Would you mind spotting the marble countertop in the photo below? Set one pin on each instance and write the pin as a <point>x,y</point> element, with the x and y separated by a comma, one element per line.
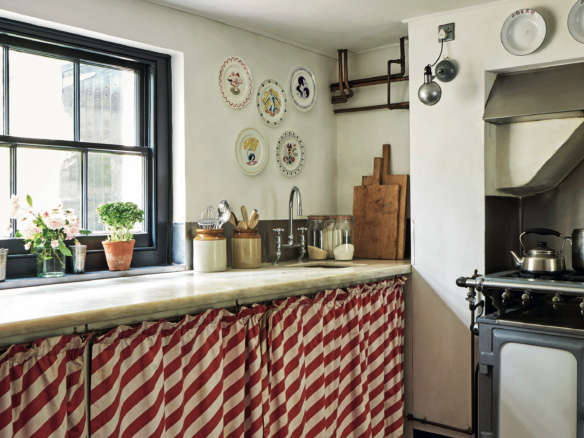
<point>29,313</point>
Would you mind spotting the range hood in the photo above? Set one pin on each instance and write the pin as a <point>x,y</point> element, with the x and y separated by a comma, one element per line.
<point>550,93</point>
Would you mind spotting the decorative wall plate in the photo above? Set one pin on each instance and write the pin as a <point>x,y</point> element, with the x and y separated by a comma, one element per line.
<point>272,102</point>
<point>523,32</point>
<point>251,152</point>
<point>303,88</point>
<point>290,154</point>
<point>235,82</point>
<point>576,21</point>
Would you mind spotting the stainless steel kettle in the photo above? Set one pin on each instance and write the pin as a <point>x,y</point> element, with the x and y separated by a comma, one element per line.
<point>541,259</point>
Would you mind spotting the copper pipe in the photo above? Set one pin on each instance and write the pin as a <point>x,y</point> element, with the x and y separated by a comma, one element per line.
<point>346,71</point>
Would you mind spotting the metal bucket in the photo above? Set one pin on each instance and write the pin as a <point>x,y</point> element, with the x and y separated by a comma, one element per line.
<point>79,253</point>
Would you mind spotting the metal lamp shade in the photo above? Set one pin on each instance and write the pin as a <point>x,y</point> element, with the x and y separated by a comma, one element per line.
<point>429,92</point>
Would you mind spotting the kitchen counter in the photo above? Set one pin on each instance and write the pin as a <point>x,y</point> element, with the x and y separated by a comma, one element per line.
<point>33,312</point>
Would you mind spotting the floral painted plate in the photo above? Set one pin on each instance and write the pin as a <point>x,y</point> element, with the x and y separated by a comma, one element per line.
<point>523,32</point>
<point>290,154</point>
<point>235,82</point>
<point>251,152</point>
<point>576,21</point>
<point>303,88</point>
<point>272,102</point>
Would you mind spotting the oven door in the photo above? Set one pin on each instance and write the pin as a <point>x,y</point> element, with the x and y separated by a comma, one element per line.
<point>530,383</point>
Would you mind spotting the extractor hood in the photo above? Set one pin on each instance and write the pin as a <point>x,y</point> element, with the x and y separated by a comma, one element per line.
<point>550,93</point>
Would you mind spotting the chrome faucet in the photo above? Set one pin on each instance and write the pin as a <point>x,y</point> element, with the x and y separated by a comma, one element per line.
<point>302,230</point>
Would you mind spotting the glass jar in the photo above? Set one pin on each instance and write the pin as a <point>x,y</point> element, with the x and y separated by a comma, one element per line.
<point>343,238</point>
<point>329,229</point>
<point>316,237</point>
<point>50,263</point>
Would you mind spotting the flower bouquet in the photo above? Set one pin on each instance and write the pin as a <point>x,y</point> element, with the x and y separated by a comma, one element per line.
<point>45,233</point>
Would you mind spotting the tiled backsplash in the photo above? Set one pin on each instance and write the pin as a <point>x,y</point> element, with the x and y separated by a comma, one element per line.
<point>183,234</point>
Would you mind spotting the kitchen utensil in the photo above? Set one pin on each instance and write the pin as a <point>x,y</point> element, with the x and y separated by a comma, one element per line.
<point>244,217</point>
<point>523,32</point>
<point>224,213</point>
<point>241,226</point>
<point>402,182</point>
<point>541,259</point>
<point>209,218</point>
<point>254,218</point>
<point>576,21</point>
<point>375,213</point>
<point>578,249</point>
<point>233,219</point>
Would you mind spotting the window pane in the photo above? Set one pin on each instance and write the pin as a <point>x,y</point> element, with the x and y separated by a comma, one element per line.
<point>108,105</point>
<point>4,190</point>
<point>50,177</point>
<point>41,96</point>
<point>113,178</point>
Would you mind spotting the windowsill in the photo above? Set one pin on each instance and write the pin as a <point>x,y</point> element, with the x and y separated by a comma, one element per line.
<point>13,283</point>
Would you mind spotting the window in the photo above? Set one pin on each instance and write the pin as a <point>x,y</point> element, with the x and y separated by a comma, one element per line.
<point>84,122</point>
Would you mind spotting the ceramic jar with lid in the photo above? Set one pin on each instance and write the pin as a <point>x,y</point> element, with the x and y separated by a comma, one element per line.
<point>209,251</point>
<point>246,250</point>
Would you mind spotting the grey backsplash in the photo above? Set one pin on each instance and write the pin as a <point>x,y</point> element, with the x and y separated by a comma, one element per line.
<point>183,235</point>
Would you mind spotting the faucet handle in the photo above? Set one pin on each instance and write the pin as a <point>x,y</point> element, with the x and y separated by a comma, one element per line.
<point>302,229</point>
<point>278,231</point>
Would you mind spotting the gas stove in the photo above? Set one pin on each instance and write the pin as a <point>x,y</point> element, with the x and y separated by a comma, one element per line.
<point>541,299</point>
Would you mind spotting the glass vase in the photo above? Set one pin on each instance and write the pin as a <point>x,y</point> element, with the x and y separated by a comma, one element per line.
<point>50,264</point>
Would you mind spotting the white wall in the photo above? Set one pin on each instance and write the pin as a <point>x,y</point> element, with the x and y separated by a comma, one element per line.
<point>205,128</point>
<point>360,135</point>
<point>448,187</point>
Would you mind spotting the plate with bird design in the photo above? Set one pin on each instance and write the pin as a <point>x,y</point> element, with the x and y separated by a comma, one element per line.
<point>272,102</point>
<point>303,88</point>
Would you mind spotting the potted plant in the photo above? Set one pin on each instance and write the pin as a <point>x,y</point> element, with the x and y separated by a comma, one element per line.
<point>45,233</point>
<point>119,219</point>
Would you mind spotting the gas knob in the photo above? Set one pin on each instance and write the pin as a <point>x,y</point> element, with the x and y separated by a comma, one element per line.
<point>506,296</point>
<point>556,300</point>
<point>526,298</point>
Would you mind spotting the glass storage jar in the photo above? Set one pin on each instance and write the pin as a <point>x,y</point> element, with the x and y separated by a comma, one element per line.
<point>329,230</point>
<point>316,242</point>
<point>343,248</point>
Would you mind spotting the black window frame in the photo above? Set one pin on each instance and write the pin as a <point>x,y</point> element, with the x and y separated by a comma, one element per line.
<point>154,245</point>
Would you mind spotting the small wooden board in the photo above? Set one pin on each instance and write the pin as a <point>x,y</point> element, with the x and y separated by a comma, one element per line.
<point>402,182</point>
<point>375,216</point>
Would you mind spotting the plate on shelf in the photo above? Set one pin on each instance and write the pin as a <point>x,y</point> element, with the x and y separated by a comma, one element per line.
<point>523,32</point>
<point>576,21</point>
<point>272,102</point>
<point>303,88</point>
<point>235,82</point>
<point>290,154</point>
<point>251,152</point>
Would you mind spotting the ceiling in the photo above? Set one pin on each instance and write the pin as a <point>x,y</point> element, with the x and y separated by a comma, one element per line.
<point>321,25</point>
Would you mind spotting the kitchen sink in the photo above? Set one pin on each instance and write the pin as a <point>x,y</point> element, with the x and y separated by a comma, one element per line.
<point>327,265</point>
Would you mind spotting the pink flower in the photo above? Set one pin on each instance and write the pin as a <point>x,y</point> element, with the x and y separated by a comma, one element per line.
<point>15,207</point>
<point>27,246</point>
<point>45,214</point>
<point>56,221</point>
<point>54,244</point>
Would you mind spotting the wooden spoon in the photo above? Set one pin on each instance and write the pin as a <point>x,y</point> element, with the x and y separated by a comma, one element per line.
<point>244,217</point>
<point>233,219</point>
<point>254,218</point>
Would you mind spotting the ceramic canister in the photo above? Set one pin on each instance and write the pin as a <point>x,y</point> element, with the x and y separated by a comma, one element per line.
<point>209,251</point>
<point>246,250</point>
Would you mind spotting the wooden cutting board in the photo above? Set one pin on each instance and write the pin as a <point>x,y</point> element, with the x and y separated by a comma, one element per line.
<point>402,182</point>
<point>375,221</point>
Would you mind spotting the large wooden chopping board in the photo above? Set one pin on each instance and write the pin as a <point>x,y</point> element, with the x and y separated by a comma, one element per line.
<point>402,182</point>
<point>375,217</point>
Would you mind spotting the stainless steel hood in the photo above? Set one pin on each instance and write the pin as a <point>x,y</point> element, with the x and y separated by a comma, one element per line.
<point>550,93</point>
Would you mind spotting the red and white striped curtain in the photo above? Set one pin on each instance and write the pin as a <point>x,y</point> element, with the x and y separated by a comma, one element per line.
<point>42,389</point>
<point>336,364</point>
<point>197,378</point>
<point>331,366</point>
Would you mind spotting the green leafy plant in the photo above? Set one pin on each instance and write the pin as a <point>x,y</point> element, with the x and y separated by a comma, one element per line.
<point>119,219</point>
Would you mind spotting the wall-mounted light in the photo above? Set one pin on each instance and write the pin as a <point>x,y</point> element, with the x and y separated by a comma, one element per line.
<point>430,92</point>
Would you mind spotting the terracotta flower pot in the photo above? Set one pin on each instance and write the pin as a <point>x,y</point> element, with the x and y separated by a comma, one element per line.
<point>118,254</point>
